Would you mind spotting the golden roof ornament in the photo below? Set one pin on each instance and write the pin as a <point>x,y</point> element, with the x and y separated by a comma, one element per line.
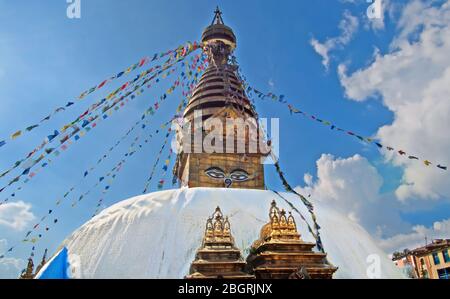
<point>218,257</point>
<point>281,253</point>
<point>28,273</point>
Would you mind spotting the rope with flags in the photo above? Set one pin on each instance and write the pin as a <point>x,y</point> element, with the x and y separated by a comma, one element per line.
<point>82,117</point>
<point>158,157</point>
<point>116,169</point>
<point>77,134</point>
<point>149,111</point>
<point>281,99</point>
<point>300,214</point>
<point>306,202</point>
<point>179,108</point>
<point>181,50</point>
<point>155,71</point>
<point>112,174</point>
<point>129,154</point>
<point>334,127</point>
<point>74,204</point>
<point>105,112</point>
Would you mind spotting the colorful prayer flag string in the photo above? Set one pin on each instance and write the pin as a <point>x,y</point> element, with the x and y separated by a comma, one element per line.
<point>182,50</point>
<point>179,108</point>
<point>102,178</point>
<point>293,110</point>
<point>112,174</point>
<point>77,134</point>
<point>87,114</point>
<point>334,127</point>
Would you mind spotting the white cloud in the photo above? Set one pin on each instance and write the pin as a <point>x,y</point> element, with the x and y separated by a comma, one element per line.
<point>352,187</point>
<point>416,238</point>
<point>9,267</point>
<point>413,80</point>
<point>16,215</point>
<point>348,26</point>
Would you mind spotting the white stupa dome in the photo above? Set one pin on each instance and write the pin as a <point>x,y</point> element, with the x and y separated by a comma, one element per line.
<point>156,235</point>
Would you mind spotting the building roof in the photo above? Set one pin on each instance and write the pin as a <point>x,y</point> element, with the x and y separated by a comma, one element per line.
<point>436,244</point>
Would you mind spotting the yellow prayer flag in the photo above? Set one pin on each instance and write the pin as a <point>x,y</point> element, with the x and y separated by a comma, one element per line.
<point>17,134</point>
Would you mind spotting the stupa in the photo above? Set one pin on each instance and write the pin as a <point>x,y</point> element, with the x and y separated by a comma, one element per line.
<point>163,234</point>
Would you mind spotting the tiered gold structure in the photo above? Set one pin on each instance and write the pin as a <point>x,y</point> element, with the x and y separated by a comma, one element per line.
<point>28,273</point>
<point>219,95</point>
<point>218,257</point>
<point>281,253</point>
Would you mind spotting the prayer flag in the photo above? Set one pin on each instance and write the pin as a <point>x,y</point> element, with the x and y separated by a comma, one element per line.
<point>16,134</point>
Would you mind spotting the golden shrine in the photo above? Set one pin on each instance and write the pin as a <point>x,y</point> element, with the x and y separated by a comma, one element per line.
<point>218,257</point>
<point>281,253</point>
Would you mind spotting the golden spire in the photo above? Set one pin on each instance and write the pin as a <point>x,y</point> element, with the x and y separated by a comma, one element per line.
<point>217,17</point>
<point>28,274</point>
<point>218,257</point>
<point>39,267</point>
<point>217,229</point>
<point>280,227</point>
<point>281,253</point>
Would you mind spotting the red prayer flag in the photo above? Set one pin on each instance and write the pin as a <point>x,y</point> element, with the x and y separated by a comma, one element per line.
<point>102,84</point>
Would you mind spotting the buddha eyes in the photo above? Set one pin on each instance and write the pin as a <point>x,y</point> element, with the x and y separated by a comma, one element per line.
<point>239,175</point>
<point>215,172</point>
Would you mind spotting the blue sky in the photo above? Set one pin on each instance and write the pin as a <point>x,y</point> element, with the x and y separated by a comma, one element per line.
<point>47,59</point>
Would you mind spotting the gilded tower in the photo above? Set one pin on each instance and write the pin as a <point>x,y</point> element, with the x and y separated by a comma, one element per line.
<point>280,252</point>
<point>218,257</point>
<point>220,108</point>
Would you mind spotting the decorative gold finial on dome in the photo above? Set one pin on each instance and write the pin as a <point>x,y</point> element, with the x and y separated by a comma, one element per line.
<point>281,253</point>
<point>217,229</point>
<point>279,227</point>
<point>217,17</point>
<point>218,257</point>
<point>28,273</point>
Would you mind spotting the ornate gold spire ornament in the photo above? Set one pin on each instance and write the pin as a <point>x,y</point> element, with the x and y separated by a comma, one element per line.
<point>42,263</point>
<point>28,273</point>
<point>218,257</point>
<point>281,253</point>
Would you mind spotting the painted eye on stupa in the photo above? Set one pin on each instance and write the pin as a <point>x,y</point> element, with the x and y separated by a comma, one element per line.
<point>215,173</point>
<point>239,175</point>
